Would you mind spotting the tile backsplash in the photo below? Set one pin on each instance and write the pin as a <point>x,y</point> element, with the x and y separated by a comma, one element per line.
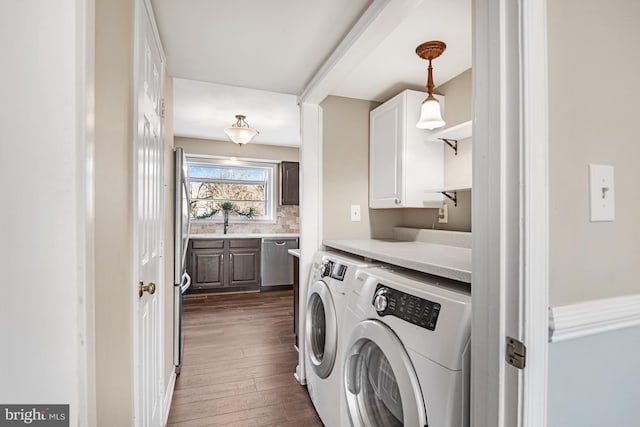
<point>287,221</point>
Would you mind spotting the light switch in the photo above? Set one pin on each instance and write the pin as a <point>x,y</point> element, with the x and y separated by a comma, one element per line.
<point>602,194</point>
<point>355,212</point>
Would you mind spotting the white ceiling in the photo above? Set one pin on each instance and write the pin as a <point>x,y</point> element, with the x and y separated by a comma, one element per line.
<point>222,69</point>
<point>203,110</point>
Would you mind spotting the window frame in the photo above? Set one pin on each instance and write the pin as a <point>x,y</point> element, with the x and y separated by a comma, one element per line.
<point>271,167</point>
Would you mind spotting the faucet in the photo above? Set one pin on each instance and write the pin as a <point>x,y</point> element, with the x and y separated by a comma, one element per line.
<point>226,223</point>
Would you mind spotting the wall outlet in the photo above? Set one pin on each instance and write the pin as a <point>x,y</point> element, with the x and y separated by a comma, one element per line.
<point>355,212</point>
<point>443,214</point>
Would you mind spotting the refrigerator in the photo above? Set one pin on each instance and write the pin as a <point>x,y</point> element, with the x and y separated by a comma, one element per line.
<point>181,279</point>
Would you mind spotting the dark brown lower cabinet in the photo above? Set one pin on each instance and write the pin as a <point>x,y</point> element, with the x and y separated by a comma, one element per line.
<point>224,265</point>
<point>208,268</point>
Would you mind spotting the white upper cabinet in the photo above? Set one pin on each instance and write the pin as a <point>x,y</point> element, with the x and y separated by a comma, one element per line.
<point>404,161</point>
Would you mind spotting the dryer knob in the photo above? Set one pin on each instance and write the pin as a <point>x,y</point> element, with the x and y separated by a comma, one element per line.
<point>380,302</point>
<point>325,269</point>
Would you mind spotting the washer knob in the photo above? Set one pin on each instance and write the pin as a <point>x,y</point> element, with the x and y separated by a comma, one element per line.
<point>325,269</point>
<point>380,302</point>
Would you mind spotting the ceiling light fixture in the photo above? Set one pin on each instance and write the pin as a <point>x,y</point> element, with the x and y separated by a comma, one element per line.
<point>240,132</point>
<point>430,115</point>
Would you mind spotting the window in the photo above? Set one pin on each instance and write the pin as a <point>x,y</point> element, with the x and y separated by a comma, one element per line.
<point>247,186</point>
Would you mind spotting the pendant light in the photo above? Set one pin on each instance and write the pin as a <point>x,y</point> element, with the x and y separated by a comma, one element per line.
<point>430,115</point>
<point>240,132</point>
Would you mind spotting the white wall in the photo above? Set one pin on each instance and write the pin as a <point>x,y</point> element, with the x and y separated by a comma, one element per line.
<point>45,309</point>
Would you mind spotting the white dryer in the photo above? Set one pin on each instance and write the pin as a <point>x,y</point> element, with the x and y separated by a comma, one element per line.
<point>329,281</point>
<point>407,351</point>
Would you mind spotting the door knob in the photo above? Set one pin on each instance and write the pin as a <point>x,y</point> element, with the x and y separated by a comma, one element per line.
<point>142,288</point>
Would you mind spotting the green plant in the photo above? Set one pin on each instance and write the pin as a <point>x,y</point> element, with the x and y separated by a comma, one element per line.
<point>249,213</point>
<point>226,206</point>
<point>207,214</point>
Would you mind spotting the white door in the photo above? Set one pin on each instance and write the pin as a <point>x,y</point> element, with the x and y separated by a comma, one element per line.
<point>149,222</point>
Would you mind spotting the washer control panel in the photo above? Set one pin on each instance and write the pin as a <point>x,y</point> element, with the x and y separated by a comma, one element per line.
<point>410,308</point>
<point>333,270</point>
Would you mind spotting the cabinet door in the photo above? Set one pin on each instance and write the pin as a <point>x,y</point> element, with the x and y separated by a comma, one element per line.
<point>386,135</point>
<point>290,183</point>
<point>244,269</point>
<point>208,270</point>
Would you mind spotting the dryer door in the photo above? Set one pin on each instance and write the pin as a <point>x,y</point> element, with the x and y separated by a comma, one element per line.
<point>321,329</point>
<point>381,386</point>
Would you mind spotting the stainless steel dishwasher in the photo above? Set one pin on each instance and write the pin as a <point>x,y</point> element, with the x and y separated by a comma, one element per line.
<point>277,264</point>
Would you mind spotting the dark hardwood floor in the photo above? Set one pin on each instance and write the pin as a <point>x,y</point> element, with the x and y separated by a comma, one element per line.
<point>239,360</point>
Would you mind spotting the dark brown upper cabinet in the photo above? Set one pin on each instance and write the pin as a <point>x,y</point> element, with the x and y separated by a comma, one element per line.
<point>290,183</point>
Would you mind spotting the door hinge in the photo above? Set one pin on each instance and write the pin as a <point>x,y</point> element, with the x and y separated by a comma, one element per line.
<point>516,353</point>
<point>162,108</point>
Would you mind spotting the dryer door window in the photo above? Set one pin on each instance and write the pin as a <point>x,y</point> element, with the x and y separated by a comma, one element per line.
<point>380,383</point>
<point>321,329</point>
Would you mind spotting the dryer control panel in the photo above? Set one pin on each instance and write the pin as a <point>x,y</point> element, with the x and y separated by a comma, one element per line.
<point>421,312</point>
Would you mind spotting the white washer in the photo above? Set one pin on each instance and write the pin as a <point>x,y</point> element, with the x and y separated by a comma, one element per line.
<point>406,351</point>
<point>329,281</point>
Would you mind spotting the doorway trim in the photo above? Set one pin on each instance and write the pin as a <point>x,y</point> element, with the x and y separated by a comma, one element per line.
<point>510,262</point>
<point>510,197</point>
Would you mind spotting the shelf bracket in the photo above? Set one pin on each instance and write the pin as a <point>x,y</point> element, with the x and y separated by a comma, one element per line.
<point>453,143</point>
<point>453,198</point>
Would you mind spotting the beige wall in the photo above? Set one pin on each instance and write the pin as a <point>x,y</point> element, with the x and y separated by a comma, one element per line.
<point>594,64</point>
<point>345,169</point>
<point>113,227</point>
<point>229,149</point>
<point>457,169</point>
<point>345,172</point>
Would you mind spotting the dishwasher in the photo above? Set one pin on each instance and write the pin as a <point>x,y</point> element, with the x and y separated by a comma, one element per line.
<point>277,263</point>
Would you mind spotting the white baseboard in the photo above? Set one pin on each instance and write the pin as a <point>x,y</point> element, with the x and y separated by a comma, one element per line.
<point>593,317</point>
<point>168,396</point>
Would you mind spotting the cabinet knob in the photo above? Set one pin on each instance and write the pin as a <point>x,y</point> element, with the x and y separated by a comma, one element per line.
<point>142,288</point>
<point>397,201</point>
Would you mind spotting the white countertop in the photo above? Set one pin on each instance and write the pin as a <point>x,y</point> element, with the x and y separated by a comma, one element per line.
<point>245,236</point>
<point>294,252</point>
<point>453,262</point>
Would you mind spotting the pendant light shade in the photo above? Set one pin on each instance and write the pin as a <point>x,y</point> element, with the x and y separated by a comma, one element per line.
<point>240,132</point>
<point>430,115</point>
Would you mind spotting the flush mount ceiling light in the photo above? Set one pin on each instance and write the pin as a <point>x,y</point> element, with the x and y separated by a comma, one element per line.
<point>430,115</point>
<point>240,132</point>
